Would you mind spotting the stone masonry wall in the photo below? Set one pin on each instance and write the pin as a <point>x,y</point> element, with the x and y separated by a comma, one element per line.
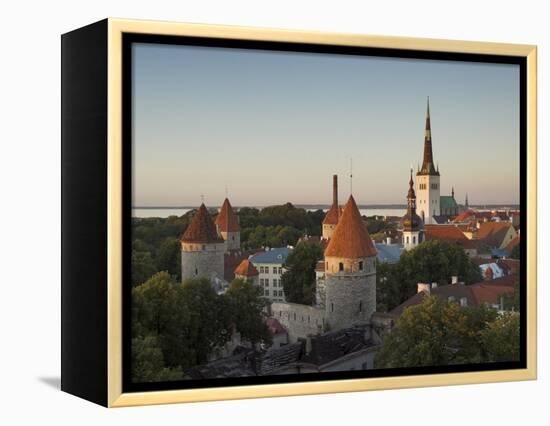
<point>203,263</point>
<point>299,320</point>
<point>350,298</point>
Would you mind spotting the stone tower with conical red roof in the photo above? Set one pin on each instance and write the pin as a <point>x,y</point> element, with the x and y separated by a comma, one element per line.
<point>350,272</point>
<point>427,179</point>
<point>202,249</point>
<point>227,225</point>
<point>331,219</point>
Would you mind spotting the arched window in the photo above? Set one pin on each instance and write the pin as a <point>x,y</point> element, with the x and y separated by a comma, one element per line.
<point>361,265</point>
<point>340,266</point>
<point>332,307</point>
<point>407,240</point>
<point>360,306</point>
<point>414,239</point>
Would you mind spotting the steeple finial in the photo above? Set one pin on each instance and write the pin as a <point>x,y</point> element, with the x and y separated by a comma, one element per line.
<point>453,191</point>
<point>202,198</point>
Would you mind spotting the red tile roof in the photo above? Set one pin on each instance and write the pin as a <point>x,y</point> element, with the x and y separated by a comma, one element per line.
<point>201,229</point>
<point>488,292</point>
<point>444,232</point>
<point>350,238</point>
<point>246,269</point>
<point>512,244</point>
<point>463,216</point>
<point>227,220</point>
<point>332,215</point>
<point>493,233</point>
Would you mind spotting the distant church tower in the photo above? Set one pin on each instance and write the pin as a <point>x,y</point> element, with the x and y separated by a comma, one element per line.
<point>331,219</point>
<point>350,271</point>
<point>202,250</point>
<point>227,225</point>
<point>427,179</point>
<point>413,228</point>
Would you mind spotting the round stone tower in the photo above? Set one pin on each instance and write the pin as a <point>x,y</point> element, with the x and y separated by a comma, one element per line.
<point>350,272</point>
<point>227,224</point>
<point>202,250</point>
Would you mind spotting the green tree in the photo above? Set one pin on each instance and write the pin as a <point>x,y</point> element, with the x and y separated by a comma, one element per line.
<point>500,340</point>
<point>169,257</point>
<point>431,261</point>
<point>159,308</point>
<point>299,279</point>
<point>143,267</point>
<point>246,310</point>
<point>209,325</point>
<point>438,332</point>
<point>148,362</point>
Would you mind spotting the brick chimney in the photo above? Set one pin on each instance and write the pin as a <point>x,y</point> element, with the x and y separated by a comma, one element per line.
<point>423,287</point>
<point>335,190</point>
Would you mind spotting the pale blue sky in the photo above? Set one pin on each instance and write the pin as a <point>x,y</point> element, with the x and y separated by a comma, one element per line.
<point>275,126</point>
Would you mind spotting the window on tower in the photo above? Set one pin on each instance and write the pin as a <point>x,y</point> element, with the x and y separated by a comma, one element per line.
<point>340,266</point>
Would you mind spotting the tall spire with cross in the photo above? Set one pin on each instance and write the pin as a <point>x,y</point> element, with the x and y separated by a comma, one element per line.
<point>428,167</point>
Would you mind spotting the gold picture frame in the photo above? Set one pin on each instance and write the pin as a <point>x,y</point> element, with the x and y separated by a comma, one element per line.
<point>114,235</point>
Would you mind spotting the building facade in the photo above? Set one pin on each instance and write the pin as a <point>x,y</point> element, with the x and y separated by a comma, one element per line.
<point>270,266</point>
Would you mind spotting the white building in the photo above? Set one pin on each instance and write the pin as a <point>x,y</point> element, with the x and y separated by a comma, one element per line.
<point>269,264</point>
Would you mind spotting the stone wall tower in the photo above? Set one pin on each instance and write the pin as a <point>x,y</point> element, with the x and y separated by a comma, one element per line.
<point>350,272</point>
<point>227,225</point>
<point>427,179</point>
<point>331,219</point>
<point>413,228</point>
<point>202,250</point>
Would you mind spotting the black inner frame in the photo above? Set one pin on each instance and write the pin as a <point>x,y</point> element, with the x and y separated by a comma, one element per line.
<point>129,38</point>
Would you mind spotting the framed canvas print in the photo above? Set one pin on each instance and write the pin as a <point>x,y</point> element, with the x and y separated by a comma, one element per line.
<point>251,212</point>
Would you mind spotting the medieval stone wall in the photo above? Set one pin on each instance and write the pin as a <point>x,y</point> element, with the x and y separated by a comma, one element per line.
<point>299,320</point>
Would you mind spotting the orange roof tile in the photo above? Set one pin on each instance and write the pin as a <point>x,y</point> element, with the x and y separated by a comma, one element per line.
<point>246,269</point>
<point>332,215</point>
<point>351,238</point>
<point>510,246</point>
<point>227,220</point>
<point>444,232</point>
<point>201,229</point>
<point>493,233</point>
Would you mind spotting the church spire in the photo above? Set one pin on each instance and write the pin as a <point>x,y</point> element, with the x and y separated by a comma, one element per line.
<point>428,162</point>
<point>411,221</point>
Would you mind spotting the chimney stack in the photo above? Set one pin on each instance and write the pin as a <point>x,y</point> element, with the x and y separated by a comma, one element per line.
<point>335,190</point>
<point>423,287</point>
<point>388,240</point>
<point>454,279</point>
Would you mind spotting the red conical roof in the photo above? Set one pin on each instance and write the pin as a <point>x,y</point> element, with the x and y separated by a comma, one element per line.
<point>350,238</point>
<point>332,215</point>
<point>227,219</point>
<point>246,269</point>
<point>201,229</point>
